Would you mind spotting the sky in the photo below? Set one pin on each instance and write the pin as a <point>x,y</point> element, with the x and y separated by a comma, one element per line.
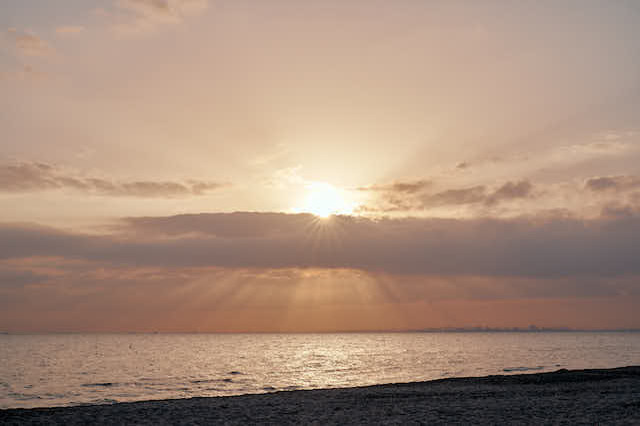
<point>292,166</point>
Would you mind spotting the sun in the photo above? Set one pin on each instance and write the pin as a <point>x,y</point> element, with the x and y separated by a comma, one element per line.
<point>324,200</point>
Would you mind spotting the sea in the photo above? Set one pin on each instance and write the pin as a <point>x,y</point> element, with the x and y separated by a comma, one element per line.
<point>74,369</point>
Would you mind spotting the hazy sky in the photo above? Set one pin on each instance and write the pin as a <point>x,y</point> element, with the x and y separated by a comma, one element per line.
<point>298,165</point>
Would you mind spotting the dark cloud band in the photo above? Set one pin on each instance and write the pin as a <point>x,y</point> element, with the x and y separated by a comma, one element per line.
<point>27,177</point>
<point>551,247</point>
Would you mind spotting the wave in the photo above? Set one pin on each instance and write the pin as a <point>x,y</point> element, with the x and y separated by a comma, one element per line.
<point>513,369</point>
<point>104,384</point>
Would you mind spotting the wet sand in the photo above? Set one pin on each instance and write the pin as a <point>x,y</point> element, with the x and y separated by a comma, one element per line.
<point>610,396</point>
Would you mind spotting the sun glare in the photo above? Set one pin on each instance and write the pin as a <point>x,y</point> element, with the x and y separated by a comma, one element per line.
<point>323,200</point>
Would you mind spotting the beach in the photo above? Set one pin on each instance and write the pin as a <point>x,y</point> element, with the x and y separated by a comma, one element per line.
<point>603,396</point>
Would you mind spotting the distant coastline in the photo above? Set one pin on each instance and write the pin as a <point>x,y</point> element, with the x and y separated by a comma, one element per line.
<point>422,330</point>
<point>530,329</point>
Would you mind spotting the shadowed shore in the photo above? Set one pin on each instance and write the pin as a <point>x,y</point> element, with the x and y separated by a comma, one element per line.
<point>607,396</point>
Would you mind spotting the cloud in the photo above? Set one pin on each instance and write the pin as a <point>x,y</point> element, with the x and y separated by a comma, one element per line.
<point>285,176</point>
<point>24,72</point>
<point>612,183</point>
<point>524,247</point>
<point>142,15</point>
<point>479,194</point>
<point>406,187</point>
<point>619,211</point>
<point>510,191</point>
<point>275,272</point>
<point>412,195</point>
<point>69,29</point>
<point>28,43</point>
<point>470,195</point>
<point>10,277</point>
<point>395,196</point>
<point>28,177</point>
<point>223,225</point>
<point>608,144</point>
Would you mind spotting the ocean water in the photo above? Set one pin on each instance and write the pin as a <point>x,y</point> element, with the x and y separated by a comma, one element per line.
<point>71,369</point>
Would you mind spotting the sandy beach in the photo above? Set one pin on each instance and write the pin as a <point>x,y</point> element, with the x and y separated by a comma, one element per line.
<point>607,396</point>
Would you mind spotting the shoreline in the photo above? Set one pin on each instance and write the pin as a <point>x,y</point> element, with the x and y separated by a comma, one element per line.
<point>576,396</point>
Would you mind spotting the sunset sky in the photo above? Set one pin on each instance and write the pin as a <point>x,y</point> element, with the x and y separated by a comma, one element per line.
<point>283,165</point>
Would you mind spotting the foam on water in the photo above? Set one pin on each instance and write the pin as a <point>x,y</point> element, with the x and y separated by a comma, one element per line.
<point>72,369</point>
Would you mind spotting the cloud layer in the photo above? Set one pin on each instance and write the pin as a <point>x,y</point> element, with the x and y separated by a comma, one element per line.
<point>613,183</point>
<point>552,247</point>
<point>28,177</point>
<point>70,29</point>
<point>28,43</point>
<point>279,272</point>
<point>414,195</point>
<point>141,15</point>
